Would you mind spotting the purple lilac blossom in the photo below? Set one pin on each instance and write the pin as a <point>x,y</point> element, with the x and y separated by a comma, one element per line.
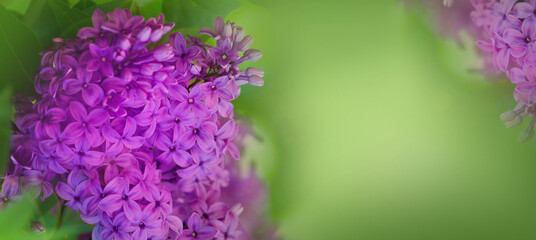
<point>140,141</point>
<point>506,33</point>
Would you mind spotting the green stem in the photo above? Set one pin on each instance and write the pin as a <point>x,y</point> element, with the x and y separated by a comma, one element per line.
<point>60,216</point>
<point>198,80</point>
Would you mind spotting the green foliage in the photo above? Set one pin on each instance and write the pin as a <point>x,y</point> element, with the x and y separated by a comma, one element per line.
<point>69,19</point>
<point>18,6</point>
<point>5,130</point>
<point>54,18</point>
<point>150,8</point>
<point>197,13</point>
<point>264,3</point>
<point>41,19</point>
<point>19,50</point>
<point>84,4</point>
<point>109,5</point>
<point>16,217</point>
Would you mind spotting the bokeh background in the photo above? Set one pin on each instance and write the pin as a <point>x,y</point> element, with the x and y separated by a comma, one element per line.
<point>373,126</point>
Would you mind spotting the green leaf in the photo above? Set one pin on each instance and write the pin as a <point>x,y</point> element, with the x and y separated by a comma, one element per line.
<point>17,14</point>
<point>263,3</point>
<point>47,205</point>
<point>19,54</point>
<point>72,3</point>
<point>18,6</point>
<point>109,6</point>
<point>102,1</point>
<point>197,13</point>
<point>69,19</point>
<point>73,29</point>
<point>5,128</point>
<point>60,216</point>
<point>54,18</point>
<point>150,8</point>
<point>84,4</point>
<point>41,19</point>
<point>15,218</point>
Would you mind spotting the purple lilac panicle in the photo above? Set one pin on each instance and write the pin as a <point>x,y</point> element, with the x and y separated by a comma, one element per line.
<point>508,35</point>
<point>138,140</point>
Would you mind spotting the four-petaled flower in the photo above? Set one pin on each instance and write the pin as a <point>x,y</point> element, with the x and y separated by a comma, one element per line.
<point>197,230</point>
<point>84,128</point>
<point>121,197</point>
<point>102,60</point>
<point>224,53</point>
<point>185,55</point>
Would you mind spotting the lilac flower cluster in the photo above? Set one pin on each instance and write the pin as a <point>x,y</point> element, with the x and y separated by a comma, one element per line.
<point>138,140</point>
<point>509,27</point>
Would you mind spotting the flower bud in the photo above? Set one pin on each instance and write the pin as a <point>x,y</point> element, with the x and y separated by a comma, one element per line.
<point>124,43</point>
<point>163,53</point>
<point>252,55</point>
<point>238,34</point>
<point>37,227</point>
<point>219,25</point>
<point>227,31</point>
<point>252,76</point>
<point>514,122</point>
<point>525,135</point>
<point>245,43</point>
<point>254,71</point>
<point>146,70</point>
<point>144,34</point>
<point>157,34</point>
<point>237,209</point>
<point>256,81</point>
<point>508,116</point>
<point>196,69</point>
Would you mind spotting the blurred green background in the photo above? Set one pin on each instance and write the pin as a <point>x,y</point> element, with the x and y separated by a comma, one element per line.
<point>379,129</point>
<point>373,127</point>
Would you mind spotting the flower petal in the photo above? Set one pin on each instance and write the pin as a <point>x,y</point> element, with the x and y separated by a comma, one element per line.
<point>97,117</point>
<point>72,86</point>
<point>111,203</point>
<point>65,191</point>
<point>92,94</point>
<point>132,210</point>
<point>78,111</point>
<point>94,158</point>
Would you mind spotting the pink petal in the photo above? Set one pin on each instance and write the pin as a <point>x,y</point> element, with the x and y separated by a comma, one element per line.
<point>111,203</point>
<point>65,191</point>
<point>93,94</point>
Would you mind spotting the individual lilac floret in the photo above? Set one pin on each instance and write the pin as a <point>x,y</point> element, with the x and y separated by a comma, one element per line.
<point>10,187</point>
<point>224,53</point>
<point>138,140</point>
<point>185,55</point>
<point>196,229</point>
